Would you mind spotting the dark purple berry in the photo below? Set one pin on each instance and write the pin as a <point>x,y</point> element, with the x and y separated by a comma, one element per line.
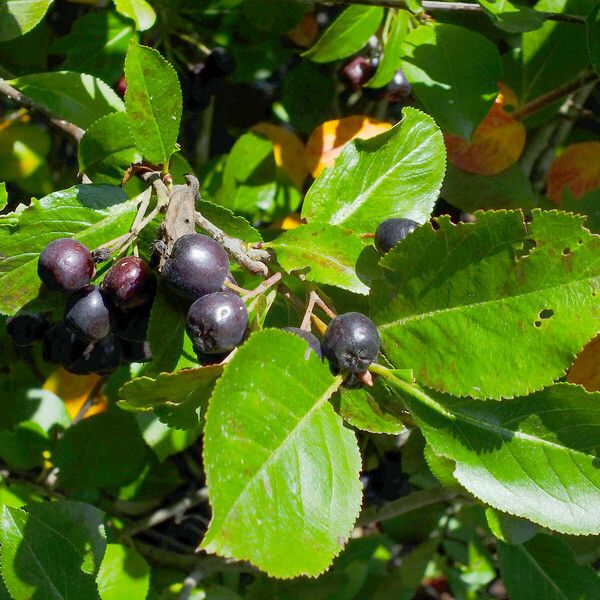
<point>198,266</point>
<point>87,314</point>
<point>398,89</point>
<point>217,322</point>
<point>313,342</point>
<point>137,352</point>
<point>66,265</point>
<point>351,343</point>
<point>392,231</point>
<point>103,357</point>
<point>357,72</point>
<point>60,346</point>
<point>219,63</point>
<point>129,283</point>
<point>25,329</point>
<point>131,325</point>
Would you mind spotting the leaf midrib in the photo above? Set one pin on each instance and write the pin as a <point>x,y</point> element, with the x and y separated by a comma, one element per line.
<point>279,449</point>
<point>539,568</point>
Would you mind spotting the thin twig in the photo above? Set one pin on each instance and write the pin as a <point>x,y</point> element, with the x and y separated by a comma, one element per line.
<point>190,583</point>
<point>433,5</point>
<point>90,400</point>
<point>262,287</point>
<point>403,505</point>
<point>551,97</point>
<point>14,94</point>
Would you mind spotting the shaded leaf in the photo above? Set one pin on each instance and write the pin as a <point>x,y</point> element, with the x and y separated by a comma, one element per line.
<point>512,17</point>
<point>20,16</point>
<point>282,471</point>
<point>509,529</point>
<point>395,174</point>
<point>232,224</point>
<point>123,573</point>
<point>347,34</point>
<point>492,309</point>
<point>593,36</point>
<point>392,51</point>
<point>139,10</point>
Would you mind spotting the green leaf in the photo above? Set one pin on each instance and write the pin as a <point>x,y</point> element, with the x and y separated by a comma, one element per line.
<point>282,471</point>
<point>164,440</point>
<point>330,253</point>
<point>395,174</point>
<point>3,196</point>
<point>544,568</point>
<point>88,457</point>
<point>534,457</point>
<point>138,10</point>
<point>588,205</point>
<point>593,36</point>
<point>93,214</point>
<point>232,224</point>
<point>390,59</point>
<point>23,446</point>
<point>470,192</point>
<point>509,529</point>
<point>123,574</point>
<point>493,309</point>
<point>454,72</point>
<point>97,44</point>
<point>20,16</point>
<point>107,149</point>
<point>179,399</point>
<point>153,102</point>
<point>76,97</point>
<point>347,34</point>
<point>511,17</point>
<point>51,550</point>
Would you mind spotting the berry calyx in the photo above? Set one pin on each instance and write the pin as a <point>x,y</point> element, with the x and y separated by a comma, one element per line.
<point>66,265</point>
<point>25,329</point>
<point>129,283</point>
<point>392,231</point>
<point>313,343</point>
<point>198,266</point>
<point>217,322</point>
<point>351,342</point>
<point>87,314</point>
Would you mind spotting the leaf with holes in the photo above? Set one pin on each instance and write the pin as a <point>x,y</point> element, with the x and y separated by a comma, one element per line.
<point>331,255</point>
<point>395,174</point>
<point>535,457</point>
<point>177,398</point>
<point>153,103</point>
<point>281,468</point>
<point>493,309</point>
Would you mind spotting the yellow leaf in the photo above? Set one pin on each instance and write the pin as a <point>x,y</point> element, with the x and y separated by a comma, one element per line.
<point>586,368</point>
<point>327,141</point>
<point>577,168</point>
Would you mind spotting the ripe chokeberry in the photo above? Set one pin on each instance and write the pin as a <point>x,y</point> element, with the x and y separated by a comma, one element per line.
<point>398,89</point>
<point>138,352</point>
<point>26,328</point>
<point>357,72</point>
<point>87,314</point>
<point>129,283</point>
<point>311,339</point>
<point>103,357</point>
<point>66,265</point>
<point>217,322</point>
<point>131,325</point>
<point>60,346</point>
<point>198,266</point>
<point>392,231</point>
<point>351,342</point>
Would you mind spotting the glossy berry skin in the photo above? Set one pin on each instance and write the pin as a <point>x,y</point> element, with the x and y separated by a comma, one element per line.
<point>87,314</point>
<point>198,266</point>
<point>129,283</point>
<point>103,358</point>
<point>357,72</point>
<point>313,342</point>
<point>66,265</point>
<point>219,63</point>
<point>351,343</point>
<point>25,329</point>
<point>392,231</point>
<point>398,89</point>
<point>60,346</point>
<point>217,322</point>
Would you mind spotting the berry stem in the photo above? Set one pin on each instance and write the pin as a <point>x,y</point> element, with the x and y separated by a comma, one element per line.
<point>263,286</point>
<point>93,396</point>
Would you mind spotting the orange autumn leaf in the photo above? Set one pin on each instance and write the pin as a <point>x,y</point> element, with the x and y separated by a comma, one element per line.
<point>288,151</point>
<point>586,368</point>
<point>577,168</point>
<point>306,32</point>
<point>74,390</point>
<point>497,143</point>
<point>327,141</point>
